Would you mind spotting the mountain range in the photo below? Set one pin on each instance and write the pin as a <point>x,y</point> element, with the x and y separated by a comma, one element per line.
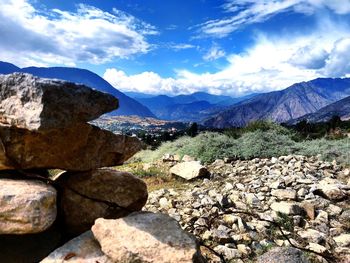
<point>127,105</point>
<point>284,105</point>
<point>315,100</point>
<point>192,107</point>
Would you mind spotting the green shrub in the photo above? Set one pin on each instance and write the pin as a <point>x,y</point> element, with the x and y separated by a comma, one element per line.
<point>264,140</point>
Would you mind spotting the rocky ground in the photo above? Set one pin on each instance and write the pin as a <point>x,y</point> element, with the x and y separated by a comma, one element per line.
<point>245,208</point>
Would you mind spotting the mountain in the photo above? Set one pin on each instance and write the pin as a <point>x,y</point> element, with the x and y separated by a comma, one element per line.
<point>127,105</point>
<point>192,107</point>
<point>284,105</point>
<point>339,108</point>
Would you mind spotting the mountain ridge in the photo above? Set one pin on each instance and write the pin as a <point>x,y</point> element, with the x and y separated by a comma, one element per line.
<point>283,105</point>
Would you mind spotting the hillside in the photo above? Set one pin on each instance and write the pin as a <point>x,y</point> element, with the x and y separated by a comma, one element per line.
<point>339,108</point>
<point>127,105</point>
<point>284,105</point>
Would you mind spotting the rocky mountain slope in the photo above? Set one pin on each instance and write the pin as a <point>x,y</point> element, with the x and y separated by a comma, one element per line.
<point>339,108</point>
<point>128,106</point>
<point>284,105</point>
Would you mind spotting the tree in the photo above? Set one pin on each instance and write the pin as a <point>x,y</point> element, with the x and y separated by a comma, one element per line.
<point>192,130</point>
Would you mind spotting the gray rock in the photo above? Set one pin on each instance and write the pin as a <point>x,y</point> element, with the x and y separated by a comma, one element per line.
<point>146,237</point>
<point>285,255</point>
<point>35,103</point>
<point>189,170</point>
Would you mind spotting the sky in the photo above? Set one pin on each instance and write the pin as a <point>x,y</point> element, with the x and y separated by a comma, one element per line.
<point>230,47</point>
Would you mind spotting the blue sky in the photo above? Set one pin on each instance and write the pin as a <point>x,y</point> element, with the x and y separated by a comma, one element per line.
<point>232,47</point>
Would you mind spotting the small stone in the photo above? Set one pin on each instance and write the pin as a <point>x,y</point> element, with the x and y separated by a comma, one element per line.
<point>244,249</point>
<point>283,254</point>
<point>284,194</point>
<point>309,208</point>
<point>342,240</point>
<point>322,217</point>
<point>312,235</point>
<point>189,170</point>
<point>228,253</point>
<point>286,208</point>
<point>316,247</point>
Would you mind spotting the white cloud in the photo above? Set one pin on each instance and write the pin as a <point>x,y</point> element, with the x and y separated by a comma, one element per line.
<point>272,63</point>
<point>338,62</point>
<point>181,46</point>
<point>44,37</point>
<point>245,12</point>
<point>215,52</point>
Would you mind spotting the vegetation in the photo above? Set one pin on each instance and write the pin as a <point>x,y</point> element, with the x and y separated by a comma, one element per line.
<point>260,139</point>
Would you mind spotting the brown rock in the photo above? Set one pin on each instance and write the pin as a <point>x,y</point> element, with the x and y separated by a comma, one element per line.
<point>35,103</point>
<point>146,237</point>
<point>103,193</point>
<point>26,206</point>
<point>80,147</point>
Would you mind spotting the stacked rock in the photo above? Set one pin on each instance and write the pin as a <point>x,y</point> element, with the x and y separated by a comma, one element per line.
<point>44,125</point>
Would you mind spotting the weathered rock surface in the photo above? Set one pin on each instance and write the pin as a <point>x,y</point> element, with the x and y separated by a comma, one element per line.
<point>80,147</point>
<point>189,170</point>
<point>35,103</point>
<point>146,237</point>
<point>82,249</point>
<point>285,255</point>
<point>104,193</point>
<point>26,206</point>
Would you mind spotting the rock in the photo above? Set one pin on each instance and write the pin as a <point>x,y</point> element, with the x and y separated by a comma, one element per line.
<point>286,208</point>
<point>342,240</point>
<point>26,206</point>
<point>312,235</point>
<point>80,147</point>
<point>316,247</point>
<point>228,253</point>
<point>34,103</point>
<point>189,170</point>
<point>146,237</point>
<point>332,192</point>
<point>283,254</point>
<point>309,208</point>
<point>284,194</point>
<point>105,193</point>
<point>83,248</point>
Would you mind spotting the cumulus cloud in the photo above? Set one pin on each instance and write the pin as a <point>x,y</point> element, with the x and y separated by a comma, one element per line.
<point>43,37</point>
<point>215,52</point>
<point>272,63</point>
<point>245,12</point>
<point>338,62</point>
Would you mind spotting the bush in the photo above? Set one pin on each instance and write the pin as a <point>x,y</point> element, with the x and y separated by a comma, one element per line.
<point>259,143</point>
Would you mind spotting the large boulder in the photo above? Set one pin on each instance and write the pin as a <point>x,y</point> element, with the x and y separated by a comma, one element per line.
<point>105,193</point>
<point>82,249</point>
<point>189,170</point>
<point>34,103</point>
<point>146,237</point>
<point>26,206</point>
<point>80,147</point>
